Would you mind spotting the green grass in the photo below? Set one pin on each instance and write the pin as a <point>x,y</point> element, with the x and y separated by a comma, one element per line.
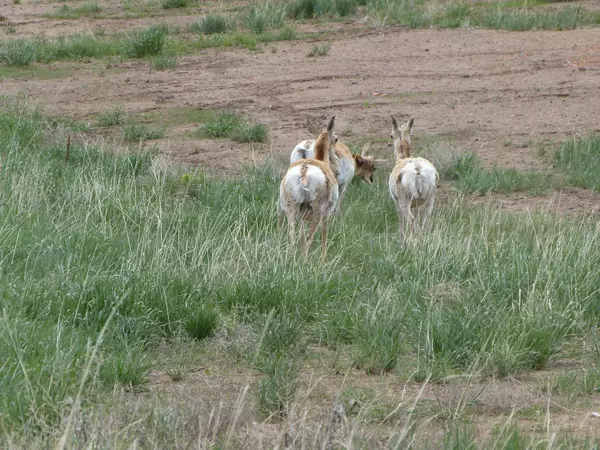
<point>178,116</point>
<point>222,125</point>
<point>265,16</point>
<point>307,9</point>
<point>580,159</point>
<point>38,72</point>
<point>153,41</point>
<point>516,16</point>
<point>276,392</point>
<point>249,41</point>
<point>171,4</point>
<point>212,24</point>
<point>138,44</point>
<point>576,384</point>
<point>319,50</point>
<point>115,254</point>
<point>139,132</point>
<point>90,9</point>
<point>162,62</point>
<point>567,18</point>
<point>112,117</point>
<point>148,42</point>
<point>225,124</point>
<point>250,133</point>
<point>18,52</point>
<point>201,322</point>
<point>468,175</point>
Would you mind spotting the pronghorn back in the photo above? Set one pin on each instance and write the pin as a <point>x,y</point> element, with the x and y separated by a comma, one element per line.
<point>304,150</point>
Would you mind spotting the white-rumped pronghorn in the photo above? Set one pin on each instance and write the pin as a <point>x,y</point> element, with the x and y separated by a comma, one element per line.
<point>349,165</point>
<point>413,181</point>
<point>309,191</point>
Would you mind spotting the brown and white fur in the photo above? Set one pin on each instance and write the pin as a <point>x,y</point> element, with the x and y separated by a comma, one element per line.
<point>309,191</point>
<point>348,165</point>
<point>413,181</point>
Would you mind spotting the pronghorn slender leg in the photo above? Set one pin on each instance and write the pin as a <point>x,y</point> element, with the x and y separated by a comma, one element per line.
<point>303,247</point>
<point>339,205</point>
<point>324,239</point>
<point>403,218</point>
<point>280,220</point>
<point>311,233</point>
<point>291,217</point>
<point>427,211</point>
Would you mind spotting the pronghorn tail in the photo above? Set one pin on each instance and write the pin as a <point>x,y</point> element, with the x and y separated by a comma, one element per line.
<point>303,176</point>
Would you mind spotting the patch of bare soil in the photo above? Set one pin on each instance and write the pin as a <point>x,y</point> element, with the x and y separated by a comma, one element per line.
<point>569,201</point>
<point>373,410</point>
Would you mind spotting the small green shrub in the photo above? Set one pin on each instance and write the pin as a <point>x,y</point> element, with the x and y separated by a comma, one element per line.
<point>469,176</point>
<point>137,131</point>
<point>250,133</point>
<point>276,392</point>
<point>18,52</point>
<point>454,15</point>
<point>264,16</point>
<point>164,62</point>
<point>67,12</point>
<point>170,4</point>
<point>345,8</point>
<point>125,366</point>
<point>287,34</point>
<point>211,24</point>
<point>521,20</point>
<point>319,50</point>
<point>112,117</point>
<point>201,322</point>
<point>221,125</point>
<point>148,42</point>
<point>580,160</point>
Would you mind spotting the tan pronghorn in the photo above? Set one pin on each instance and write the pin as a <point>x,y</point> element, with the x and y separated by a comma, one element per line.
<point>349,165</point>
<point>413,182</point>
<point>309,191</point>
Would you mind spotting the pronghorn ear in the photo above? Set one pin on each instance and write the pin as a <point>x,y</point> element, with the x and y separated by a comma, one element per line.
<point>394,124</point>
<point>366,148</point>
<point>330,125</point>
<point>312,129</point>
<point>411,125</point>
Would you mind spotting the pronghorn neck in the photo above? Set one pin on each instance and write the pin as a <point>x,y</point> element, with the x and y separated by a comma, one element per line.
<point>322,148</point>
<point>402,149</point>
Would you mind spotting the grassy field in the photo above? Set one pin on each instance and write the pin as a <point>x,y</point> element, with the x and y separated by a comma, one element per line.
<point>108,257</point>
<point>147,305</point>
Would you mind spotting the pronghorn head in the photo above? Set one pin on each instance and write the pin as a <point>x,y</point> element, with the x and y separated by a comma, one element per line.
<point>365,164</point>
<point>401,137</point>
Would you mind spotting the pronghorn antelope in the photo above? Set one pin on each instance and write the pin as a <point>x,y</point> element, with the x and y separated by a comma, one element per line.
<point>413,182</point>
<point>349,165</point>
<point>309,191</point>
